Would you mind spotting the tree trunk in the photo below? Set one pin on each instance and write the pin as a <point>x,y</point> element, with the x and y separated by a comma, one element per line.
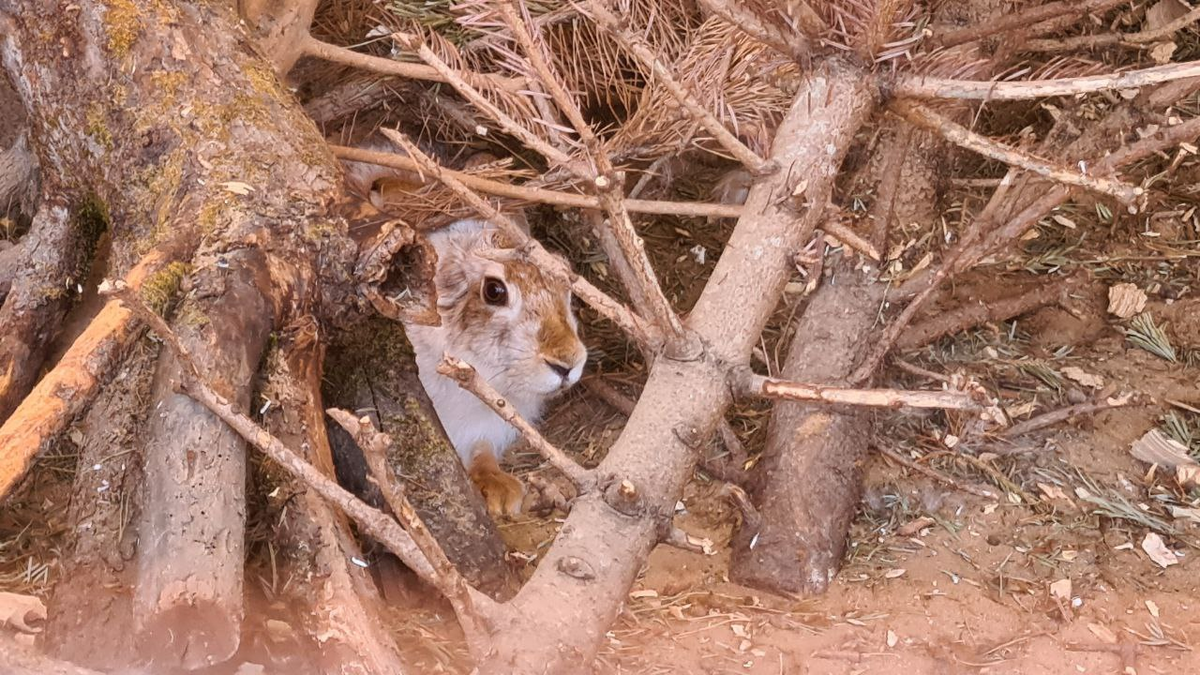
<point>58,253</point>
<point>557,620</point>
<point>372,372</point>
<point>172,124</point>
<point>807,484</point>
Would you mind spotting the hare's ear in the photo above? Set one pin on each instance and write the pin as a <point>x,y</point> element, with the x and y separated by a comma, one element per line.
<point>502,240</point>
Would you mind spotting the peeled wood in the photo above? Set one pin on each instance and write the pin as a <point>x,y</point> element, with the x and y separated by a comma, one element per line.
<point>188,598</point>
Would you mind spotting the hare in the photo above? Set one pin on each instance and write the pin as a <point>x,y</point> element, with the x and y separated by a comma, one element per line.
<point>515,325</point>
<point>509,320</point>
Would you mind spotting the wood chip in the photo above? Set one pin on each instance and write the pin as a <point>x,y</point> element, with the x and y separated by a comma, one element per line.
<point>1154,547</point>
<point>1152,607</point>
<point>16,611</point>
<point>1159,449</point>
<point>1083,377</point>
<point>914,526</point>
<point>1163,13</point>
<point>1103,633</point>
<point>892,638</point>
<point>1125,300</point>
<point>1061,589</point>
<point>895,573</point>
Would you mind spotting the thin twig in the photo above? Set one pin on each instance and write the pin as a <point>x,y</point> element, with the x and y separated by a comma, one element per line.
<point>795,47</point>
<point>936,475</point>
<point>638,48</point>
<point>986,235</point>
<point>468,378</point>
<point>963,137</point>
<point>850,238</point>
<point>600,301</point>
<point>919,86</point>
<point>507,123</point>
<point>1062,414</point>
<point>1018,21</point>
<point>608,183</point>
<point>374,445</point>
<point>752,384</point>
<point>540,195</point>
<point>975,312</point>
<point>1137,39</point>
<point>415,71</point>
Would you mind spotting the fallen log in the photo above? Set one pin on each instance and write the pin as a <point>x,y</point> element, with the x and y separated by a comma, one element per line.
<point>188,598</point>
<point>58,253</point>
<point>337,606</point>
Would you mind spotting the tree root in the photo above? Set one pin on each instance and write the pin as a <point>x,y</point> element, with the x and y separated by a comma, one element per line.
<point>59,250</point>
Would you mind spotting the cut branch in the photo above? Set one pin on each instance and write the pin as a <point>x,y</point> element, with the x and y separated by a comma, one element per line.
<point>327,52</point>
<point>468,378</point>
<point>641,51</point>
<point>963,137</point>
<point>919,86</point>
<point>540,195</point>
<point>373,521</point>
<point>63,393</point>
<point>755,385</point>
<point>57,257</point>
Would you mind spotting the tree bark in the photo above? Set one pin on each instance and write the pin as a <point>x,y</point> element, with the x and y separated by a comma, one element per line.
<point>171,123</point>
<point>188,598</point>
<point>339,609</point>
<point>90,610</point>
<point>557,620</point>
<point>807,484</point>
<point>58,253</point>
<point>372,372</point>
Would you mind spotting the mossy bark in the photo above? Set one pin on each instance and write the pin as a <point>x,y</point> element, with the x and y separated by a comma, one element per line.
<point>372,372</point>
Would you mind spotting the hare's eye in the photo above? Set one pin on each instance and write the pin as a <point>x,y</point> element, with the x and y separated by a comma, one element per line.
<point>495,292</point>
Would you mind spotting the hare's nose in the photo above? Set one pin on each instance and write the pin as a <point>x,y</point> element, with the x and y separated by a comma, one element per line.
<point>563,371</point>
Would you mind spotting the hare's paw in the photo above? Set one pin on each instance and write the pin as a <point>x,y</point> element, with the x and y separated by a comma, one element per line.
<point>502,493</point>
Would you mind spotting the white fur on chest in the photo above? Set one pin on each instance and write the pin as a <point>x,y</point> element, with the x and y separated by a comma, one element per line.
<point>466,419</point>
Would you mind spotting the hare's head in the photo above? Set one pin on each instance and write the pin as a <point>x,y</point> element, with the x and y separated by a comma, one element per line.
<point>506,317</point>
